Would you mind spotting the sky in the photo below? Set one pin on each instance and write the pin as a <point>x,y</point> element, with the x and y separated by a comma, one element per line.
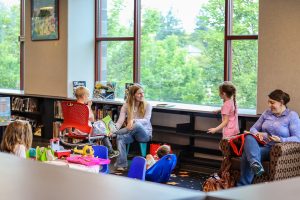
<point>191,10</point>
<point>186,15</point>
<point>10,2</point>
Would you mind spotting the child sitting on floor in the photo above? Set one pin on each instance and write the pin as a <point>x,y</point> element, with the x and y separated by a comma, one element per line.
<point>161,152</point>
<point>82,95</point>
<point>17,138</point>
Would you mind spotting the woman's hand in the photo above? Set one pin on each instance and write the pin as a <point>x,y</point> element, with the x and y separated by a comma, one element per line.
<point>274,138</point>
<point>212,130</point>
<point>260,136</point>
<point>129,125</point>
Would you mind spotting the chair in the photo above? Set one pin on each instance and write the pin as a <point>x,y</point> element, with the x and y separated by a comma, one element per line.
<point>137,169</point>
<point>143,148</point>
<point>102,152</point>
<point>76,115</point>
<point>161,171</point>
<point>284,162</point>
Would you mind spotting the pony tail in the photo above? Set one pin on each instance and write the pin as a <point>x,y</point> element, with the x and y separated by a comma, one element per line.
<point>234,102</point>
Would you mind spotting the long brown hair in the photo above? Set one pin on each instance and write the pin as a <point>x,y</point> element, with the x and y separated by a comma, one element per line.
<point>17,132</point>
<point>229,89</point>
<point>131,102</point>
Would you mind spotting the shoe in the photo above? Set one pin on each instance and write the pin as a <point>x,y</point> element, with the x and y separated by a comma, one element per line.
<point>121,169</point>
<point>257,169</point>
<point>113,154</point>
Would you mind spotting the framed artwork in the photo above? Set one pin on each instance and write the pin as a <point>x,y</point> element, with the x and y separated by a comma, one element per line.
<point>44,20</point>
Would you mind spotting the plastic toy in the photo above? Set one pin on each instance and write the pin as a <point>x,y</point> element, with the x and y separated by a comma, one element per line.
<point>31,153</point>
<point>44,154</point>
<point>54,144</point>
<point>62,153</point>
<point>85,150</point>
<point>59,151</point>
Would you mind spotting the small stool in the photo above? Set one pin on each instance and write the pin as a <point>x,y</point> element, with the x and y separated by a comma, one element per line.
<point>143,148</point>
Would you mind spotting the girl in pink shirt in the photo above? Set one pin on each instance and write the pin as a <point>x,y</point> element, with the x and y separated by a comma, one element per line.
<point>230,124</point>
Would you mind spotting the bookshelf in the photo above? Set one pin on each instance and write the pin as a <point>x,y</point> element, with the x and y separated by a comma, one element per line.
<point>181,134</point>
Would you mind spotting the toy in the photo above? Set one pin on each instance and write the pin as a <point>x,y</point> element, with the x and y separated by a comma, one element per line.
<point>31,153</point>
<point>62,153</point>
<point>85,150</point>
<point>54,144</point>
<point>59,151</point>
<point>44,154</point>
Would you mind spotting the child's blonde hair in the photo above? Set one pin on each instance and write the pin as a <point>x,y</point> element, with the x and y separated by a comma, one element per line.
<point>80,91</point>
<point>229,89</point>
<point>17,132</point>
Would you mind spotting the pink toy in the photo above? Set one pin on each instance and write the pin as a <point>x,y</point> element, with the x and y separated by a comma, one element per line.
<point>88,160</point>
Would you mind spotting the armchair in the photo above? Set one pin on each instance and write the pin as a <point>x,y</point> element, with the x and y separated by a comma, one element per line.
<point>284,162</point>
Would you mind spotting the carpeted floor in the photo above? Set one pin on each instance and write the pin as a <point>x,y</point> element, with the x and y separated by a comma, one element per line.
<point>185,179</point>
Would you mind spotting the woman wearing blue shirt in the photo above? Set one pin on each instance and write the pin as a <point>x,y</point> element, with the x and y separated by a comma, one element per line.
<point>276,124</point>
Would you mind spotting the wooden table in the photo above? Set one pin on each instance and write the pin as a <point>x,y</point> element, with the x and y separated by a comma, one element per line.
<point>28,179</point>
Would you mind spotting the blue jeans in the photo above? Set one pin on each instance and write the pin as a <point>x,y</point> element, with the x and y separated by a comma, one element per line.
<point>125,136</point>
<point>107,143</point>
<point>253,152</point>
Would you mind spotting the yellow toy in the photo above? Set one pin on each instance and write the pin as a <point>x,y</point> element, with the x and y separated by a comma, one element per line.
<point>86,150</point>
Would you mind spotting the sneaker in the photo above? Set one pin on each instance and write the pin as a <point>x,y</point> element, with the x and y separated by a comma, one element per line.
<point>257,169</point>
<point>113,154</point>
<point>121,169</point>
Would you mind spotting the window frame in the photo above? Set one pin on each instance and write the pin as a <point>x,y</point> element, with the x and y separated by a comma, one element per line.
<point>228,38</point>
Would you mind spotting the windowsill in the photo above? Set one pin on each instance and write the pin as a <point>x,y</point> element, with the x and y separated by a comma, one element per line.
<point>168,105</point>
<point>182,107</point>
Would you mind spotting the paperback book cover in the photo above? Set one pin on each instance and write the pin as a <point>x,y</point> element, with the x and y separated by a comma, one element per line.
<point>76,84</point>
<point>5,113</point>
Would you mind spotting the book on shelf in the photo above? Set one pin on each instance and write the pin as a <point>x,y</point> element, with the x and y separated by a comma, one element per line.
<point>58,110</point>
<point>5,113</point>
<point>77,84</point>
<point>104,91</point>
<point>56,126</point>
<point>24,104</point>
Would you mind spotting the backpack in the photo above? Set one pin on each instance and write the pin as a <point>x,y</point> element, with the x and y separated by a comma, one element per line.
<point>215,182</point>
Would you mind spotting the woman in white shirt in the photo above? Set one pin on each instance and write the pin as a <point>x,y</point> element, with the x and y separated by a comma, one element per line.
<point>139,128</point>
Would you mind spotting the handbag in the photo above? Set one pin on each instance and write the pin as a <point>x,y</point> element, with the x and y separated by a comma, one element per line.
<point>216,182</point>
<point>237,142</point>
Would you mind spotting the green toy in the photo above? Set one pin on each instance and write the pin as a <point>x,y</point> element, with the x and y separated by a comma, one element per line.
<point>44,154</point>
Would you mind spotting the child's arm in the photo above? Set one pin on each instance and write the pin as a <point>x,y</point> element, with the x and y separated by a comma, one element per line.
<point>91,114</point>
<point>222,125</point>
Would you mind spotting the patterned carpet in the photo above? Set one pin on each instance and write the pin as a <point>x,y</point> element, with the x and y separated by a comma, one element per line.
<point>185,179</point>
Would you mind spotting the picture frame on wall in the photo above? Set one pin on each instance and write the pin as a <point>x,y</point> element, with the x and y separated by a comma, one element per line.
<point>44,20</point>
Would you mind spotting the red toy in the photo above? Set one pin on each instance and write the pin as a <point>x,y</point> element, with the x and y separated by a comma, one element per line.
<point>62,153</point>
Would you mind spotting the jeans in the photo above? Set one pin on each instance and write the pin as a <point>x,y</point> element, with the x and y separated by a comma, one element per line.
<point>125,136</point>
<point>253,152</point>
<point>107,143</point>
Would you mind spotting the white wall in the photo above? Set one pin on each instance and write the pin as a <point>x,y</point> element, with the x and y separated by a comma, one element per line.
<point>81,42</point>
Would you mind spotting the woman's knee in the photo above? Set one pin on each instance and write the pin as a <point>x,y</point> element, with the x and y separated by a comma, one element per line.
<point>137,125</point>
<point>250,138</point>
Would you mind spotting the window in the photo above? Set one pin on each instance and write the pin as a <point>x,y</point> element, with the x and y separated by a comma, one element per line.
<point>182,51</point>
<point>178,49</point>
<point>11,48</point>
<point>242,49</point>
